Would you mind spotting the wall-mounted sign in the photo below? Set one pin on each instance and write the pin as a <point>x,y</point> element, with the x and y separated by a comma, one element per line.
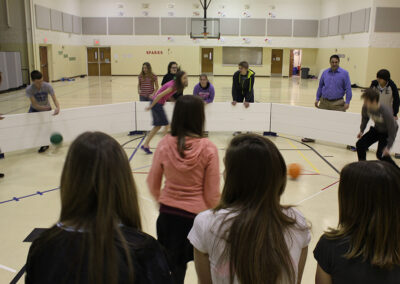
<point>154,52</point>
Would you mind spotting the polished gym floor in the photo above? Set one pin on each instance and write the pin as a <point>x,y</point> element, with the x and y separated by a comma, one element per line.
<point>27,172</point>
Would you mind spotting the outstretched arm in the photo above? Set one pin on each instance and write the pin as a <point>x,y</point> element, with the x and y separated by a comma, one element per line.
<point>37,106</point>
<point>210,99</point>
<point>56,103</point>
<point>158,98</point>
<point>234,98</point>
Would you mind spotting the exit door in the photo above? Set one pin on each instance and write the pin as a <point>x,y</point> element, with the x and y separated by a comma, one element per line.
<point>276,62</point>
<point>44,63</point>
<point>99,61</point>
<point>207,60</point>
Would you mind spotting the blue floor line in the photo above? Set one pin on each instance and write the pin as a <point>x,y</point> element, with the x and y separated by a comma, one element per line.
<point>41,193</point>
<point>141,168</point>
<point>5,201</point>
<point>137,148</point>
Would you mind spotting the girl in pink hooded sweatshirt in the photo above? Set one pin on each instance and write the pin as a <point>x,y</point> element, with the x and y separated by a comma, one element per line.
<point>190,165</point>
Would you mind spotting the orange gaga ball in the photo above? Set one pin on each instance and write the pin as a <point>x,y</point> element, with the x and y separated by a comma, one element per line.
<point>294,170</point>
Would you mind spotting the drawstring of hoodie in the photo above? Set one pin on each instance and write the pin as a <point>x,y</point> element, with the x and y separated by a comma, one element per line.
<point>242,84</point>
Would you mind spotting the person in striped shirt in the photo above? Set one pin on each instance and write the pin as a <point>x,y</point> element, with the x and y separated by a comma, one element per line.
<point>148,83</point>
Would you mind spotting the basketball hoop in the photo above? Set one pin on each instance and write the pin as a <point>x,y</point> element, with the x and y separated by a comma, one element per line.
<point>205,35</point>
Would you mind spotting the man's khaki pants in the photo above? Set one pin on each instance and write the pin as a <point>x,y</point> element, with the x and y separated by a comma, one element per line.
<point>337,105</point>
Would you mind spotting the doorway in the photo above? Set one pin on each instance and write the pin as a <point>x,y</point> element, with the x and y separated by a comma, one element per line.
<point>207,60</point>
<point>99,61</point>
<point>276,62</point>
<point>295,62</point>
<point>44,62</point>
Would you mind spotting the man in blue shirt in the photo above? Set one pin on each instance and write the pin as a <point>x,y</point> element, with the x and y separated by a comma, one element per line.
<point>334,85</point>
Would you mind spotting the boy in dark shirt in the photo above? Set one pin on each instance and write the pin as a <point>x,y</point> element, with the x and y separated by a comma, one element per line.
<point>388,93</point>
<point>243,85</point>
<point>385,129</point>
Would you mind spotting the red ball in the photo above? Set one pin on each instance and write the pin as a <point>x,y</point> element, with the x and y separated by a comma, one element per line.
<point>294,170</point>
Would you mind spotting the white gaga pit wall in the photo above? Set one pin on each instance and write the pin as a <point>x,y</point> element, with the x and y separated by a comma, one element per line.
<point>24,131</point>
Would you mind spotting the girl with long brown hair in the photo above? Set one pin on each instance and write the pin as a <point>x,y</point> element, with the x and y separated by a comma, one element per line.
<point>148,83</point>
<point>190,164</point>
<point>98,238</point>
<point>365,247</point>
<point>157,106</point>
<point>250,237</point>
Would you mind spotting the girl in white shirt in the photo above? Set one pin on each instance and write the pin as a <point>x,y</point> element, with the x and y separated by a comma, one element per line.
<point>250,237</point>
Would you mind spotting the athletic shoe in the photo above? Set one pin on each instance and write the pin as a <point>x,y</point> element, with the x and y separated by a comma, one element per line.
<point>1,175</point>
<point>43,149</point>
<point>146,150</point>
<point>351,148</point>
<point>307,140</point>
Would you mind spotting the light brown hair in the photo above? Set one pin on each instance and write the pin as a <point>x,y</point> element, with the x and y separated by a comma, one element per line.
<point>149,73</point>
<point>369,212</point>
<point>255,179</point>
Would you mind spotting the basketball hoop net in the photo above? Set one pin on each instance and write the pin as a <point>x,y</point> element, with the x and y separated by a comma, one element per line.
<point>205,35</point>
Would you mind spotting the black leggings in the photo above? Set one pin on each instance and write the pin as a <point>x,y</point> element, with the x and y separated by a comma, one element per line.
<point>369,138</point>
<point>172,232</point>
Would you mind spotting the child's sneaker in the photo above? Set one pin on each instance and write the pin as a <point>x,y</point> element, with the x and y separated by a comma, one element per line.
<point>43,149</point>
<point>146,150</point>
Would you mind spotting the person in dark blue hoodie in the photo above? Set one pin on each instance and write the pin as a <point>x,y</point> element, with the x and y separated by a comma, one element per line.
<point>243,85</point>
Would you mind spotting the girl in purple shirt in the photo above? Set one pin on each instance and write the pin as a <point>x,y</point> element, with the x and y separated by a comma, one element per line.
<point>204,89</point>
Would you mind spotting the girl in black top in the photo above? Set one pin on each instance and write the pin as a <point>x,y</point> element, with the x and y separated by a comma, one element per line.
<point>365,247</point>
<point>98,238</point>
<point>173,68</point>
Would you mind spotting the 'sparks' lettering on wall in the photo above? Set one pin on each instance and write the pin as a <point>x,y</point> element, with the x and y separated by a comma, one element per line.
<point>154,52</point>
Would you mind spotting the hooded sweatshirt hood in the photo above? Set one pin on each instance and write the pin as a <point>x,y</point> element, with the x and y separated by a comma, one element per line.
<point>195,147</point>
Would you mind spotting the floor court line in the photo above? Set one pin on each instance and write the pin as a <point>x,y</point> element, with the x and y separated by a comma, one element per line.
<point>130,141</point>
<point>303,156</point>
<point>7,268</point>
<point>317,193</point>
<point>137,147</point>
<point>315,151</point>
<point>50,190</point>
<point>324,175</point>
